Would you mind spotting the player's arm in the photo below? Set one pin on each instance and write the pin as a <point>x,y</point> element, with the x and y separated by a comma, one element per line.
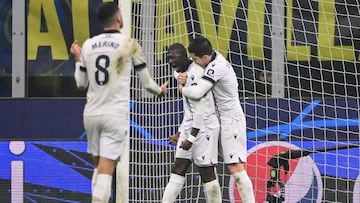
<point>174,138</point>
<point>186,119</point>
<point>180,77</point>
<point>176,74</point>
<point>80,74</point>
<point>146,79</point>
<point>150,85</point>
<point>196,92</point>
<point>197,124</point>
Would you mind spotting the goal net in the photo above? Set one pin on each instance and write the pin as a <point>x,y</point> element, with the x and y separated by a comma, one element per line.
<point>297,64</point>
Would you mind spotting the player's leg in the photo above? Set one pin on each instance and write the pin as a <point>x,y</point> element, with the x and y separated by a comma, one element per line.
<point>243,182</point>
<point>108,147</point>
<point>94,176</point>
<point>102,186</point>
<point>205,155</point>
<point>211,184</point>
<point>92,127</point>
<point>233,143</point>
<point>176,181</point>
<point>177,177</point>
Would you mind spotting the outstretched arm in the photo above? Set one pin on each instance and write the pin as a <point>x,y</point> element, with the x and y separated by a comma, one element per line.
<point>150,85</point>
<point>140,66</point>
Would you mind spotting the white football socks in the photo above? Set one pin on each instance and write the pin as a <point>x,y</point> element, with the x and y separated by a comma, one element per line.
<point>212,192</point>
<point>245,187</point>
<point>93,179</point>
<point>173,188</point>
<point>102,189</point>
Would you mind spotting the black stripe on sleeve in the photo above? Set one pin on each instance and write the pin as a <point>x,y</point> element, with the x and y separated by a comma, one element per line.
<point>140,66</point>
<point>83,69</point>
<point>208,79</point>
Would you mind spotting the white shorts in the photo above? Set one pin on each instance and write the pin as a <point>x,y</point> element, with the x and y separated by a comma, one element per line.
<point>204,151</point>
<point>233,140</point>
<point>106,135</point>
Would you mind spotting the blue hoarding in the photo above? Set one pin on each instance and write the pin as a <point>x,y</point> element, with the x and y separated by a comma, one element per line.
<point>45,139</point>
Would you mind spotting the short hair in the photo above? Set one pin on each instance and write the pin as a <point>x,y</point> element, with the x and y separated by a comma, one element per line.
<point>179,48</point>
<point>107,12</point>
<point>200,46</point>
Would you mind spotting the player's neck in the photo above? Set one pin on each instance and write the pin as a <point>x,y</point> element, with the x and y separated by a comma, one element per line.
<point>114,27</point>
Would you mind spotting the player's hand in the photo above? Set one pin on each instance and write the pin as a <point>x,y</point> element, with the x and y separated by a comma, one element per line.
<point>181,78</point>
<point>180,87</point>
<point>173,139</point>
<point>164,88</point>
<point>76,50</point>
<point>186,144</point>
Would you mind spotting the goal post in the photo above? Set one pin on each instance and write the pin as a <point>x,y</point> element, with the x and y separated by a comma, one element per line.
<point>297,64</point>
<point>122,168</point>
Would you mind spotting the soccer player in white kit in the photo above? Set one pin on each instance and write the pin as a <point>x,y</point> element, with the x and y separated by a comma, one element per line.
<point>103,65</point>
<point>220,78</point>
<point>198,133</point>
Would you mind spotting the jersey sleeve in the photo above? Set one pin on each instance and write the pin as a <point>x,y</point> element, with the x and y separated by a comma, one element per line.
<point>176,74</point>
<point>140,67</point>
<point>199,113</point>
<point>138,56</point>
<point>213,72</point>
<point>197,91</point>
<point>80,75</point>
<point>148,82</point>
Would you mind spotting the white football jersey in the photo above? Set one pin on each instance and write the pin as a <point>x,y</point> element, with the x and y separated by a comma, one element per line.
<point>193,113</point>
<point>225,86</point>
<point>108,59</point>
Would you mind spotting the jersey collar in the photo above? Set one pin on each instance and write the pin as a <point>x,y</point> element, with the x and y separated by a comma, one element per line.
<point>213,56</point>
<point>188,62</point>
<point>186,66</point>
<point>111,31</point>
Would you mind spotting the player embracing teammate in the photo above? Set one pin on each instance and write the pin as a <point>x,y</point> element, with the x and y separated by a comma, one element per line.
<point>219,78</point>
<point>197,137</point>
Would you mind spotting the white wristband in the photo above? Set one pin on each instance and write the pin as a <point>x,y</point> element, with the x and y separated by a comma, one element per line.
<point>191,138</point>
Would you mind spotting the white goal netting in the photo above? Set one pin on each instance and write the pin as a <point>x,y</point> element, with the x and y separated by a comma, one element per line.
<point>297,63</point>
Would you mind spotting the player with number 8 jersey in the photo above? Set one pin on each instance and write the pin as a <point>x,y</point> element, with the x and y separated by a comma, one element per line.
<point>109,58</point>
<point>103,65</point>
